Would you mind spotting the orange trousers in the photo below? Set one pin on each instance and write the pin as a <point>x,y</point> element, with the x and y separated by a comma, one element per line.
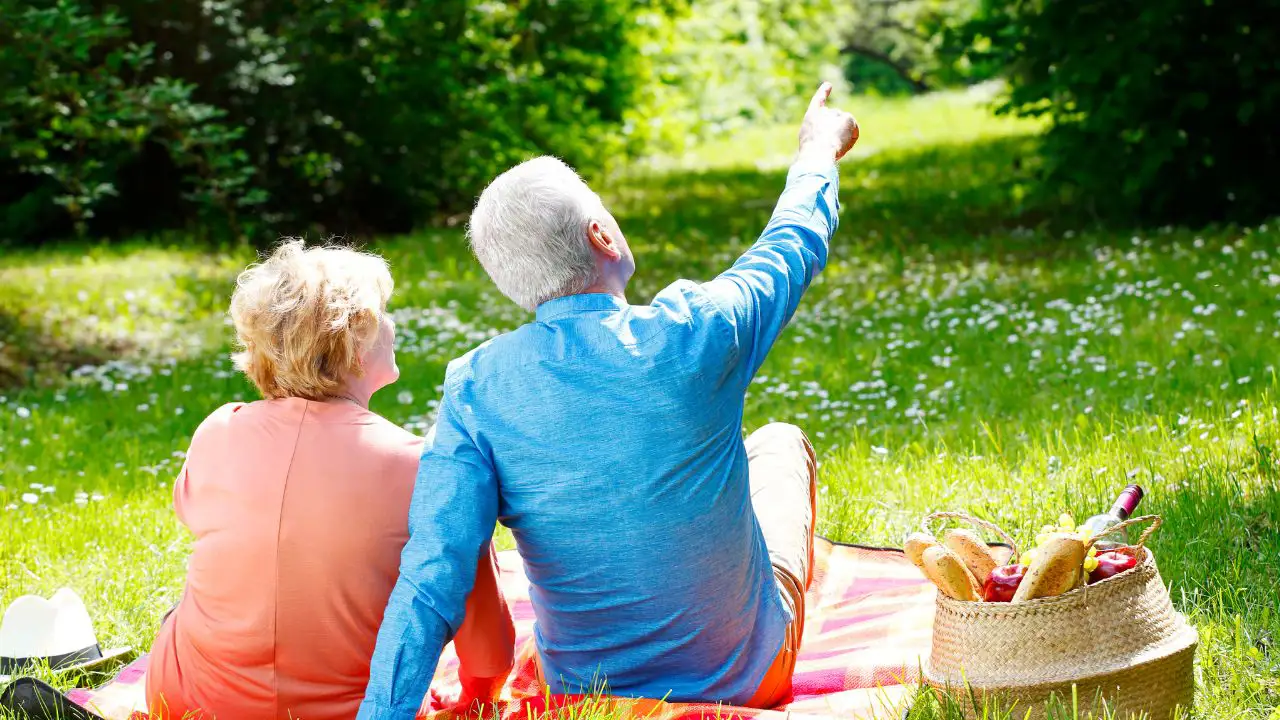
<point>784,482</point>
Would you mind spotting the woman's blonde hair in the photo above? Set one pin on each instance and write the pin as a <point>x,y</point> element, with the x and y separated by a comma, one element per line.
<point>304,315</point>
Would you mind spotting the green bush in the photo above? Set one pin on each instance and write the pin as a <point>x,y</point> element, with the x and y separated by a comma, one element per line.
<point>77,109</point>
<point>722,63</point>
<point>268,117</point>
<point>1165,110</point>
<point>345,115</point>
<point>899,46</point>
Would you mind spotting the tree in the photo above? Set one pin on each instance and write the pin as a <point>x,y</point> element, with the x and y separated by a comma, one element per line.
<point>270,117</point>
<point>1163,110</point>
<point>907,38</point>
<point>77,108</point>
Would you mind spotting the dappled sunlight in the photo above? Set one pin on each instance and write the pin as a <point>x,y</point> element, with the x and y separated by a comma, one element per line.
<point>887,125</point>
<point>957,353</point>
<point>958,199</point>
<point>61,310</point>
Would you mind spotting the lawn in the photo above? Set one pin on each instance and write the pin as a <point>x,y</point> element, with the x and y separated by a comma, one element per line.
<point>968,348</point>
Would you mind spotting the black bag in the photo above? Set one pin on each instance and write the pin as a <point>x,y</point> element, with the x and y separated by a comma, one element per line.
<point>29,698</point>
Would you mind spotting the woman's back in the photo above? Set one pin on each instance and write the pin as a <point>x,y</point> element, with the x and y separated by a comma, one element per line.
<point>299,511</point>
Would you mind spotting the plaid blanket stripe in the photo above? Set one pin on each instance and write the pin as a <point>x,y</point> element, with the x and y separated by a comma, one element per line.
<point>869,622</point>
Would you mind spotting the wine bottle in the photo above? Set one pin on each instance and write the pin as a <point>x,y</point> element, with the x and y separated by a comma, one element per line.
<point>1120,511</point>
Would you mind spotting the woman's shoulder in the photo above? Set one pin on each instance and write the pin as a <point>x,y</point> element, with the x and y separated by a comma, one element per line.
<point>390,447</point>
<point>392,437</point>
<point>247,417</point>
<point>220,418</point>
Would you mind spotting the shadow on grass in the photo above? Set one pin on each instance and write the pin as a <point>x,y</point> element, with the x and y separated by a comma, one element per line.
<point>84,305</point>
<point>28,354</point>
<point>965,201</point>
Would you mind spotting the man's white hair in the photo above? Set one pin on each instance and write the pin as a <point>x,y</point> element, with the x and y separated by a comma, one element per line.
<point>529,231</point>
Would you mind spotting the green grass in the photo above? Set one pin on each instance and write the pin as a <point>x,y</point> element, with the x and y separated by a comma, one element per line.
<point>966,349</point>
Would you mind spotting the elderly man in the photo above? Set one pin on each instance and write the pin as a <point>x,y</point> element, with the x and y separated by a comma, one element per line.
<point>667,558</point>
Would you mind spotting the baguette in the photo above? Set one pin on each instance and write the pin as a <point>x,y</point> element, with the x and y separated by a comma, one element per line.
<point>975,553</point>
<point>915,546</point>
<point>948,572</point>
<point>1055,568</point>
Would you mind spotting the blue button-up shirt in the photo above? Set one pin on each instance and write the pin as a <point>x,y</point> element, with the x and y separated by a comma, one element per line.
<point>608,437</point>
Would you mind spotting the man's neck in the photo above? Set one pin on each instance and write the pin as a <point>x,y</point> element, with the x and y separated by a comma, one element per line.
<point>605,287</point>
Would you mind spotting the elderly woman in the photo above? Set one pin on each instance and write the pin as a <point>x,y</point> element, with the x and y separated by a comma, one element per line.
<point>299,505</point>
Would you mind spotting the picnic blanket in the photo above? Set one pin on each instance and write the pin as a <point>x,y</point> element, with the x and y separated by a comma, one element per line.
<point>869,622</point>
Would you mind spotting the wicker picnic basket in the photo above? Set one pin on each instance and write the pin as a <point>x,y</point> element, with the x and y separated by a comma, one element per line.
<point>1118,642</point>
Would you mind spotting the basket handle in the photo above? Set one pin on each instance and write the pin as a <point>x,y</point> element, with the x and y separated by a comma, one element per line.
<point>1155,520</point>
<point>973,521</point>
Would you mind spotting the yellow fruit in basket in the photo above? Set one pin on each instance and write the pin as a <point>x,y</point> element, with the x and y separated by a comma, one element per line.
<point>1055,568</point>
<point>915,546</point>
<point>975,554</point>
<point>1066,523</point>
<point>1027,558</point>
<point>1091,562</point>
<point>948,572</point>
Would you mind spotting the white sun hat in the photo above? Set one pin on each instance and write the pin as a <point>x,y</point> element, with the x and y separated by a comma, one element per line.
<point>56,632</point>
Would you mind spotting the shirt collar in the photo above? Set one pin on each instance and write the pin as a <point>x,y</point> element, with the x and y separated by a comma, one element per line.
<point>580,303</point>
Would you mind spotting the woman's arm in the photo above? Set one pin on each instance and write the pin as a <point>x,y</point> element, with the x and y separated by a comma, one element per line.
<point>486,641</point>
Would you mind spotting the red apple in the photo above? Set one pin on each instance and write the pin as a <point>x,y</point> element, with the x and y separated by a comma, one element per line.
<point>1111,564</point>
<point>1003,583</point>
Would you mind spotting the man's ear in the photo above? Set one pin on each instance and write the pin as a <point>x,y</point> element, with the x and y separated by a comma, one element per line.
<point>602,241</point>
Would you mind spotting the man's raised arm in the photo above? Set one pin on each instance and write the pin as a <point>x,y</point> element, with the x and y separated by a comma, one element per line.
<point>451,521</point>
<point>760,292</point>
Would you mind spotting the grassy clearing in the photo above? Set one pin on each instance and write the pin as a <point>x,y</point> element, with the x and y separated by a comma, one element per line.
<point>964,350</point>
<point>64,308</point>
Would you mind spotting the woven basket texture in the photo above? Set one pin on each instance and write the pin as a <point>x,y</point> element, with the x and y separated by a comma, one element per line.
<point>1120,640</point>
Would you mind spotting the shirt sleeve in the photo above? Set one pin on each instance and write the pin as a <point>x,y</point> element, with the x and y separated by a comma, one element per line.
<point>760,293</point>
<point>451,521</point>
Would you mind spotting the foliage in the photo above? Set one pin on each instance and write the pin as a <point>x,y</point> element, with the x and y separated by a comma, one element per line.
<point>351,117</point>
<point>1165,110</point>
<point>947,358</point>
<point>77,109</point>
<point>726,62</point>
<point>901,46</point>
